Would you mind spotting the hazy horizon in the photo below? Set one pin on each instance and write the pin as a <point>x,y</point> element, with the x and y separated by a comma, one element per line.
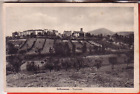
<point>116,19</point>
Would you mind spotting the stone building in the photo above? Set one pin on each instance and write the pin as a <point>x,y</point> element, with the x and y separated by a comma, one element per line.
<point>78,33</point>
<point>67,33</point>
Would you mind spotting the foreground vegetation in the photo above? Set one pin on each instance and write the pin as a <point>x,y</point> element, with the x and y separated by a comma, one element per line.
<point>85,77</point>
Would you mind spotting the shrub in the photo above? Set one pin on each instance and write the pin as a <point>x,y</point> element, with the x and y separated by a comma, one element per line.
<point>49,65</point>
<point>32,67</point>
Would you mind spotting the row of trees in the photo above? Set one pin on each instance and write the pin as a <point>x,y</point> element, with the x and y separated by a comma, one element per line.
<point>129,39</point>
<point>54,63</point>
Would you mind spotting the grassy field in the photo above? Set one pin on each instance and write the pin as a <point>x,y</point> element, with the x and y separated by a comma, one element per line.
<point>49,44</point>
<point>28,44</point>
<point>85,77</point>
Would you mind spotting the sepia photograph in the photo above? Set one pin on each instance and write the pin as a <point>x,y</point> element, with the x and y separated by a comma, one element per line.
<point>71,47</point>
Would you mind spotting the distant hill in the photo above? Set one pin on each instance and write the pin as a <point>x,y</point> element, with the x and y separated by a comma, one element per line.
<point>103,31</point>
<point>125,33</point>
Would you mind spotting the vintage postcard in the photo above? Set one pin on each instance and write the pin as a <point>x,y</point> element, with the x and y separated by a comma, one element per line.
<point>71,47</point>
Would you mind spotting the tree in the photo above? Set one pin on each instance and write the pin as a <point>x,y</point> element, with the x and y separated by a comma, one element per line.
<point>96,48</point>
<point>128,59</point>
<point>15,34</point>
<point>113,61</point>
<point>98,63</point>
<point>49,65</point>
<point>16,62</point>
<point>73,49</point>
<point>45,33</point>
<point>84,49</point>
<point>12,49</point>
<point>88,35</point>
<point>67,49</point>
<point>103,48</point>
<point>32,67</point>
<point>51,51</point>
<point>116,36</point>
<point>90,49</point>
<point>39,34</point>
<point>100,36</point>
<point>58,48</point>
<point>32,35</point>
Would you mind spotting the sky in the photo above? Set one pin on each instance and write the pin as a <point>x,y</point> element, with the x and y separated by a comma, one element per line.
<point>69,18</point>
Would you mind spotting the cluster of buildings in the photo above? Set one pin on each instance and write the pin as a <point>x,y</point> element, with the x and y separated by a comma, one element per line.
<point>74,33</point>
<point>35,32</point>
<point>47,32</point>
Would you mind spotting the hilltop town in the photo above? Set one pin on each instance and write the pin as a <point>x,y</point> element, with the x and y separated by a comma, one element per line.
<point>42,41</point>
<point>45,51</point>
